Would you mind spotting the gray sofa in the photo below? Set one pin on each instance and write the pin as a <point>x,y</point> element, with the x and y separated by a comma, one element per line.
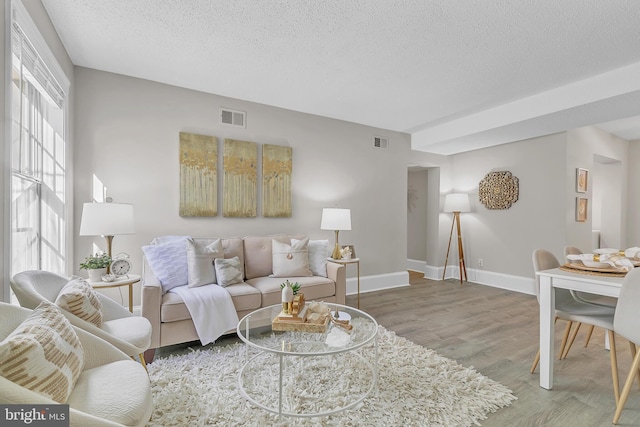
<point>171,320</point>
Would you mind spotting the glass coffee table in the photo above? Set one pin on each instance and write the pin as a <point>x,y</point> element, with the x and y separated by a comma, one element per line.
<point>308,374</point>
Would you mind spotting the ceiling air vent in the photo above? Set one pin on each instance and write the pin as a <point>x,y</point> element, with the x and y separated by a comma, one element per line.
<point>380,142</point>
<point>233,117</point>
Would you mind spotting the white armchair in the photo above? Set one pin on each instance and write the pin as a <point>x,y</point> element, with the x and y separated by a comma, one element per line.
<point>131,334</point>
<point>112,389</point>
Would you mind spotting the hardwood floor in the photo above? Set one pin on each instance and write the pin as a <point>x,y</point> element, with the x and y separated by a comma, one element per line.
<point>496,332</point>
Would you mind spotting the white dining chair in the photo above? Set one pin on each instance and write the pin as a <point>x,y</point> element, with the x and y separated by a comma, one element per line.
<point>626,325</point>
<point>586,298</point>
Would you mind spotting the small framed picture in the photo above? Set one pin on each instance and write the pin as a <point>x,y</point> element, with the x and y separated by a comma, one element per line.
<point>348,252</point>
<point>582,180</point>
<point>582,205</point>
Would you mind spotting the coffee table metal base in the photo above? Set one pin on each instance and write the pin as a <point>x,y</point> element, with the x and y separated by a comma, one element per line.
<point>371,366</point>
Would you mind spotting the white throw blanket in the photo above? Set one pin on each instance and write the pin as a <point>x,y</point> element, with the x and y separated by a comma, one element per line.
<point>211,309</point>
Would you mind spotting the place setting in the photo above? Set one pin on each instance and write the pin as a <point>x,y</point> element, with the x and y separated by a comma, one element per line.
<point>604,261</point>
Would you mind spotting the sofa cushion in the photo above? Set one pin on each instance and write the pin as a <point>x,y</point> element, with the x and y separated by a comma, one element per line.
<point>257,253</point>
<point>244,297</point>
<point>228,271</point>
<point>173,308</point>
<point>79,298</point>
<point>318,254</point>
<point>257,256</point>
<point>168,261</point>
<point>290,260</point>
<point>43,354</point>
<point>201,270</point>
<point>313,287</point>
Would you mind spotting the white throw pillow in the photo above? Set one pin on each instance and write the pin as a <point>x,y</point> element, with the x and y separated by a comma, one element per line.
<point>318,254</point>
<point>290,260</point>
<point>79,298</point>
<point>43,354</point>
<point>169,262</point>
<point>200,262</point>
<point>228,271</point>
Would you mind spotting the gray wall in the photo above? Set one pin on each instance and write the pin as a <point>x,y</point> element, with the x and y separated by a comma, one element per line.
<point>127,132</point>
<point>504,239</point>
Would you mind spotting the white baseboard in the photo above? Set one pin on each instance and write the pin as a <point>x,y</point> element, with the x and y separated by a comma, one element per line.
<point>377,282</point>
<point>525,285</point>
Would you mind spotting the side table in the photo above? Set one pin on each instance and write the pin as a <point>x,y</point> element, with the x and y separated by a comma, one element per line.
<point>355,261</point>
<point>126,280</point>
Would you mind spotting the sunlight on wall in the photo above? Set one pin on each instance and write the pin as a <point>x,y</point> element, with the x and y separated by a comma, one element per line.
<point>99,191</point>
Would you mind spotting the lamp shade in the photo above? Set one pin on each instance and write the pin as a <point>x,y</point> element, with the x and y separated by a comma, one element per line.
<point>336,219</point>
<point>456,202</point>
<point>107,219</point>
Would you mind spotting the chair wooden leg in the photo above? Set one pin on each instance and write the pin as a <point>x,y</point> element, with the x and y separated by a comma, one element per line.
<point>588,338</point>
<point>142,362</point>
<point>632,347</point>
<point>535,362</point>
<point>564,347</point>
<point>627,388</point>
<point>614,366</point>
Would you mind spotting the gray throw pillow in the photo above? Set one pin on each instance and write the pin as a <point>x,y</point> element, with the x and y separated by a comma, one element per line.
<point>228,271</point>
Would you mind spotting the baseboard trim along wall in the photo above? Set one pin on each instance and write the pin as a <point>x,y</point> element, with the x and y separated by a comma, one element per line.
<point>377,282</point>
<point>525,285</point>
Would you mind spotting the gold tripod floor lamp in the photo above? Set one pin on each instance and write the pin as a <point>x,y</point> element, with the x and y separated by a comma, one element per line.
<point>456,203</point>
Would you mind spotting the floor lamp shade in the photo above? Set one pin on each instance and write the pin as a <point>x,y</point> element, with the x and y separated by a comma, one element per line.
<point>336,219</point>
<point>457,202</point>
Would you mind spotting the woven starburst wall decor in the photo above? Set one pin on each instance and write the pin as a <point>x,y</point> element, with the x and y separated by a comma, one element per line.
<point>498,190</point>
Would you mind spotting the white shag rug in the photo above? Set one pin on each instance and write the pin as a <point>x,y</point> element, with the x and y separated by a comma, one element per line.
<point>416,387</point>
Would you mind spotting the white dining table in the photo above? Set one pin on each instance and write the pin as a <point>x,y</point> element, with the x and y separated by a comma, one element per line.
<point>556,278</point>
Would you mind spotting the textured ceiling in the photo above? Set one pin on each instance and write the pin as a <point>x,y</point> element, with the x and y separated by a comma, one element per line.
<point>457,75</point>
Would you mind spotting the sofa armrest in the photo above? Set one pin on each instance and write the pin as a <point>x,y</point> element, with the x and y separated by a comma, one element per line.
<point>151,302</point>
<point>337,273</point>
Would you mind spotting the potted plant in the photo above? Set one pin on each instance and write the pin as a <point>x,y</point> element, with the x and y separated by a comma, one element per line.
<point>96,265</point>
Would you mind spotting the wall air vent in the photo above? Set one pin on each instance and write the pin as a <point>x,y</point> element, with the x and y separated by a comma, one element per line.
<point>380,142</point>
<point>233,117</point>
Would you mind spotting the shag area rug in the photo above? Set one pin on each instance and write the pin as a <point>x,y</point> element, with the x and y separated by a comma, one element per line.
<point>415,387</point>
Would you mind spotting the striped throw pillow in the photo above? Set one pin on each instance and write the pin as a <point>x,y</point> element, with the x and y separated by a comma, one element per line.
<point>43,354</point>
<point>79,298</point>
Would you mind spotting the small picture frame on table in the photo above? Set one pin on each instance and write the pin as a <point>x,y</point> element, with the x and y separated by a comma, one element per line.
<point>582,205</point>
<point>348,254</point>
<point>582,180</point>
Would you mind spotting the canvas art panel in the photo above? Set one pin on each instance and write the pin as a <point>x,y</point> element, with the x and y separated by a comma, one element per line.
<point>277,163</point>
<point>240,179</point>
<point>582,205</point>
<point>582,180</point>
<point>198,175</point>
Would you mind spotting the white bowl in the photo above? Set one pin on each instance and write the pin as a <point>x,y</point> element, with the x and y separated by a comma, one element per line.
<point>595,264</point>
<point>606,251</point>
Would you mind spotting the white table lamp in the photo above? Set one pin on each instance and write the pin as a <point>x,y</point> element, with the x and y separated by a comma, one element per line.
<point>107,220</point>
<point>336,219</point>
